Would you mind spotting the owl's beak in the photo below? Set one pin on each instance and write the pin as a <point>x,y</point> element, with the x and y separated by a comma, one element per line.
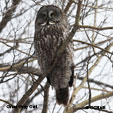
<point>49,18</point>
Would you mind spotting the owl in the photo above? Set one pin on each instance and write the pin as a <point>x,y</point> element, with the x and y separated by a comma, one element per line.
<point>51,30</point>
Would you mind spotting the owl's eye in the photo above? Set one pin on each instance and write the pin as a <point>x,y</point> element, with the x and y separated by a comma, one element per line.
<point>51,14</point>
<point>43,15</point>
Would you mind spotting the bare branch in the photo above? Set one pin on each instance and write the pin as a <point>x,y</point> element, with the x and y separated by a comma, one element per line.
<point>97,82</point>
<point>8,14</point>
<point>96,28</point>
<point>45,105</point>
<point>6,102</point>
<point>68,6</point>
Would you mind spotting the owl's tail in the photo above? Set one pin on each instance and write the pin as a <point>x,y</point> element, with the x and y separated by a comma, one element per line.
<point>62,96</point>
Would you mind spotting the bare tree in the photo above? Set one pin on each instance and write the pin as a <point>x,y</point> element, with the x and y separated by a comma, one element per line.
<point>24,89</point>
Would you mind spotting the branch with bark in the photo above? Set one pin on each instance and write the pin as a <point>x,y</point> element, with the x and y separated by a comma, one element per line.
<point>7,16</point>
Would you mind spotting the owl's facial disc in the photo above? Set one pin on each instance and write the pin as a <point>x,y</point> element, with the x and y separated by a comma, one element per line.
<point>49,15</point>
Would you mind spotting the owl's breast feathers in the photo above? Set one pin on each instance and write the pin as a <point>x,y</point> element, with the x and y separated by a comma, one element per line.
<point>51,37</point>
<point>48,41</point>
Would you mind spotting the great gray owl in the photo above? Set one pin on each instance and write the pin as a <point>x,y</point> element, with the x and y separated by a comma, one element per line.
<point>50,32</point>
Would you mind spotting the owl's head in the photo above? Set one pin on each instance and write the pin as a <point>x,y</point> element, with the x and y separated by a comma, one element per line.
<point>49,15</point>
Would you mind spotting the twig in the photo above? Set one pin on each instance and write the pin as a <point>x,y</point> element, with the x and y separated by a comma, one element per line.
<point>97,82</point>
<point>8,14</point>
<point>88,82</point>
<point>95,28</point>
<point>94,46</point>
<point>6,102</point>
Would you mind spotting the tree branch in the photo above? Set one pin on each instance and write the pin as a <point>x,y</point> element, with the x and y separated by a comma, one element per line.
<point>6,102</point>
<point>97,82</point>
<point>93,45</point>
<point>95,28</point>
<point>45,102</point>
<point>68,6</point>
<point>8,14</point>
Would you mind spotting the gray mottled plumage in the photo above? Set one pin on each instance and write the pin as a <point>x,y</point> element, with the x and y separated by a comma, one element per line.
<point>50,32</point>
